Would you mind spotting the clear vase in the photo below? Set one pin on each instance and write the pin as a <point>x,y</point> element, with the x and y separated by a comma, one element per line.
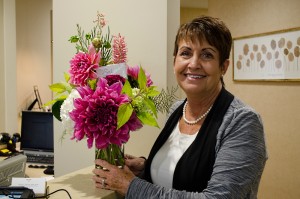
<point>114,154</point>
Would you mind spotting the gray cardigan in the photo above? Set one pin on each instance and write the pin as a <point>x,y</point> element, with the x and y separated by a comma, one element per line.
<point>240,159</point>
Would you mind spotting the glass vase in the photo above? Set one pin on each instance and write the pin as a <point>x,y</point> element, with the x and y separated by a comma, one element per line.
<point>113,154</point>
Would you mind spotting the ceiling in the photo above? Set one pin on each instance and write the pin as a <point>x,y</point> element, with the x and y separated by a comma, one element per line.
<point>194,3</point>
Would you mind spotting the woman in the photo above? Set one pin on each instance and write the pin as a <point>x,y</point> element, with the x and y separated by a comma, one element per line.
<point>212,145</point>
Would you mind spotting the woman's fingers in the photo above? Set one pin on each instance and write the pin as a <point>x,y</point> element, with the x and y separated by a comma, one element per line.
<point>127,156</point>
<point>104,164</point>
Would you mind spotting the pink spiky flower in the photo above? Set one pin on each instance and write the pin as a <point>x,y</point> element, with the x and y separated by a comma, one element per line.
<point>119,49</point>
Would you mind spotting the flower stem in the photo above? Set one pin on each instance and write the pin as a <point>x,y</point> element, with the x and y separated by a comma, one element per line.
<point>113,154</point>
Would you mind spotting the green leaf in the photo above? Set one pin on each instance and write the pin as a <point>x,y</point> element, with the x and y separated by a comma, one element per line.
<point>50,102</point>
<point>88,36</point>
<point>124,113</point>
<point>147,118</point>
<point>150,104</point>
<point>73,39</point>
<point>92,83</point>
<point>127,89</point>
<point>107,45</point>
<point>142,79</point>
<point>152,92</point>
<point>67,77</point>
<point>61,97</point>
<point>61,87</point>
<point>58,87</point>
<point>56,109</point>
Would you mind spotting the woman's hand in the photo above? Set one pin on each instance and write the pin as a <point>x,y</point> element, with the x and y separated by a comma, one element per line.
<point>136,165</point>
<point>112,177</point>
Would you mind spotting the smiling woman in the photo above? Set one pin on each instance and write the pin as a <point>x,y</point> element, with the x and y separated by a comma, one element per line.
<point>212,145</point>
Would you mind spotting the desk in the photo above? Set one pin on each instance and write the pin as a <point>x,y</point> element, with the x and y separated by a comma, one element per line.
<point>35,172</point>
<point>80,185</point>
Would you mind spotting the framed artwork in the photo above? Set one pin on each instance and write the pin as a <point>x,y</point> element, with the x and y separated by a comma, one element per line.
<point>271,56</point>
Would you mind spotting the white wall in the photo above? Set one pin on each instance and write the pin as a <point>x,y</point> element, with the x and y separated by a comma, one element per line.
<point>145,25</point>
<point>8,117</point>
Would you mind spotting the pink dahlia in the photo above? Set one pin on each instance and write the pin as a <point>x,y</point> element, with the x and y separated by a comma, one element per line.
<point>119,50</point>
<point>95,115</point>
<point>133,72</point>
<point>83,66</point>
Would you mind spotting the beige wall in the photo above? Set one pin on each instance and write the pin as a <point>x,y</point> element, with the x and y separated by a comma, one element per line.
<point>2,88</point>
<point>8,93</point>
<point>25,57</point>
<point>277,102</point>
<point>189,13</point>
<point>33,22</point>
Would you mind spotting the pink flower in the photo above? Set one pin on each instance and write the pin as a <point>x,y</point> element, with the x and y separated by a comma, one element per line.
<point>119,49</point>
<point>133,72</point>
<point>114,78</point>
<point>83,66</point>
<point>95,115</point>
<point>100,20</point>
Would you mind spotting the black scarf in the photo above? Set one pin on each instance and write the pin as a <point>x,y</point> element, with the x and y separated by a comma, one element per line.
<point>194,168</point>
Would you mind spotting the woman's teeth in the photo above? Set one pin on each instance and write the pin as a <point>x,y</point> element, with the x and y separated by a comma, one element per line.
<point>196,76</point>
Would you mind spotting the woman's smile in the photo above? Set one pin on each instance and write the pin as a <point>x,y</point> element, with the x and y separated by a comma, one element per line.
<point>194,76</point>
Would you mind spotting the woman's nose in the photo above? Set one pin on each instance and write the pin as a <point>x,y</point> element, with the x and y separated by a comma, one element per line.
<point>194,62</point>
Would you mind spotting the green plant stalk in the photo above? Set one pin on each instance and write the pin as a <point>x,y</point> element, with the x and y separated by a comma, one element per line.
<point>113,154</point>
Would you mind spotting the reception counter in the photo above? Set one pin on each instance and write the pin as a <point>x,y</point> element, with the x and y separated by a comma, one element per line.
<point>79,184</point>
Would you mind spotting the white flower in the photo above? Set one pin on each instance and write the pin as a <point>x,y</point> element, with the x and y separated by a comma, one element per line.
<point>67,107</point>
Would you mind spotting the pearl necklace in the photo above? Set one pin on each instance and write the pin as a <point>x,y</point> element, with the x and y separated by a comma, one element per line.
<point>195,121</point>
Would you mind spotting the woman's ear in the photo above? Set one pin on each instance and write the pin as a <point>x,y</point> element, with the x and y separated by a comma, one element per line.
<point>225,66</point>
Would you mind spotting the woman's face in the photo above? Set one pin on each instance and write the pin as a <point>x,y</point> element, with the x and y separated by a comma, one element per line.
<point>197,67</point>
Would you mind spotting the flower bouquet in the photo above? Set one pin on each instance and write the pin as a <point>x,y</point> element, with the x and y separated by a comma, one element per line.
<point>103,99</point>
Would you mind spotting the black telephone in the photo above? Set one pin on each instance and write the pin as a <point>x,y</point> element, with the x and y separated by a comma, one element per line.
<point>9,143</point>
<point>16,192</point>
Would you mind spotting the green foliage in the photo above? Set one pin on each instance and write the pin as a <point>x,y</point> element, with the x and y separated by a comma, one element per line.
<point>147,118</point>
<point>165,99</point>
<point>124,113</point>
<point>141,101</point>
<point>127,89</point>
<point>92,83</point>
<point>83,40</point>
<point>61,91</point>
<point>150,105</point>
<point>152,92</point>
<point>56,109</point>
<point>74,39</point>
<point>142,79</point>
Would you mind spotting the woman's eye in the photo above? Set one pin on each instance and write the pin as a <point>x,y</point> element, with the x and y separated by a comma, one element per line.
<point>206,55</point>
<point>184,53</point>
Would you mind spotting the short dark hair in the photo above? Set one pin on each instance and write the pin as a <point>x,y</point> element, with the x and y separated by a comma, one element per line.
<point>211,29</point>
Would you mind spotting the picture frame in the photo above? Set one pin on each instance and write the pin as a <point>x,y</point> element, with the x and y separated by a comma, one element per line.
<point>273,56</point>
